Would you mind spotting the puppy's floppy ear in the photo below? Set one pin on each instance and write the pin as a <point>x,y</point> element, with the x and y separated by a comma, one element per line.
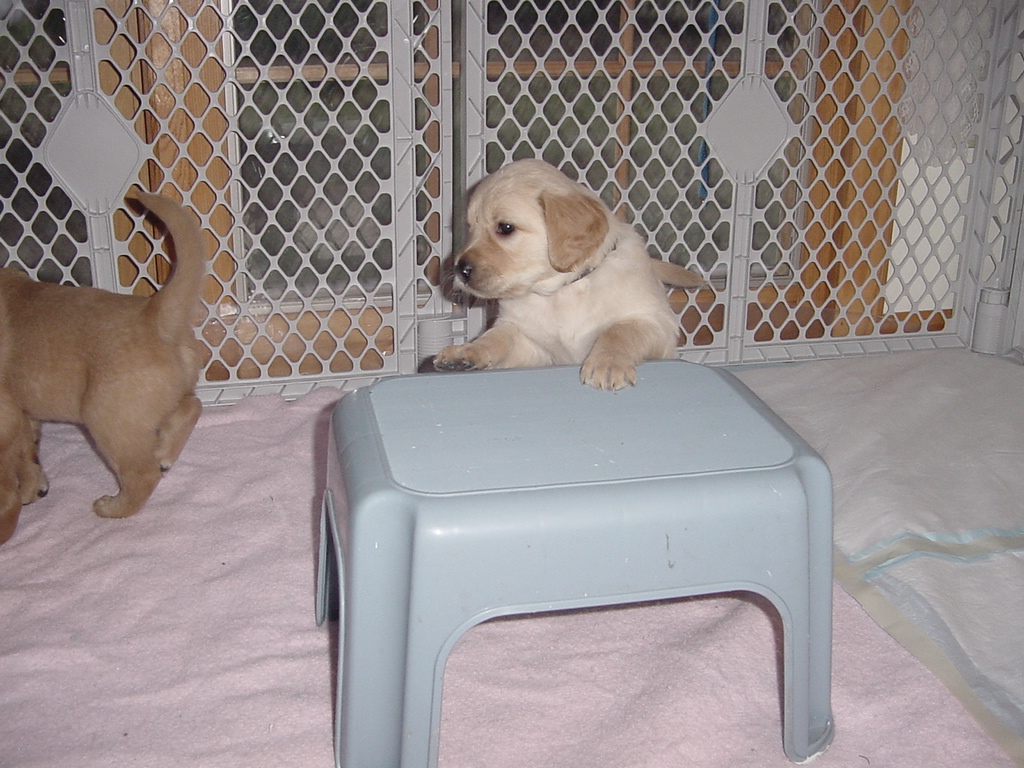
<point>576,224</point>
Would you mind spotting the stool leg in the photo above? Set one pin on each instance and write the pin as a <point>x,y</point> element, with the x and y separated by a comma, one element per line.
<point>407,723</point>
<point>808,726</point>
<point>430,641</point>
<point>328,587</point>
<point>807,719</point>
<point>371,685</point>
<point>374,645</point>
<point>373,590</point>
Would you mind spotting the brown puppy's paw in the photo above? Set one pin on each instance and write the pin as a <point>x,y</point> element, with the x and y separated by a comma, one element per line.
<point>114,507</point>
<point>605,372</point>
<point>464,357</point>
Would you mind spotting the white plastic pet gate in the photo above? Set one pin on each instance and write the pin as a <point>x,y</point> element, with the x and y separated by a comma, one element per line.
<point>846,172</point>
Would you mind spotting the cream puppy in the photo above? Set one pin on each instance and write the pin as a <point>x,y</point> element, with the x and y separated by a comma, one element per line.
<point>574,284</point>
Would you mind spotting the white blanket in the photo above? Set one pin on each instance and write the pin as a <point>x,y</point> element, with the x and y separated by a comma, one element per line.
<point>927,455</point>
<point>185,636</point>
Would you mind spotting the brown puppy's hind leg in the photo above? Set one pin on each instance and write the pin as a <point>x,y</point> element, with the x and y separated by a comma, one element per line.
<point>131,455</point>
<point>31,477</point>
<point>137,479</point>
<point>175,430</point>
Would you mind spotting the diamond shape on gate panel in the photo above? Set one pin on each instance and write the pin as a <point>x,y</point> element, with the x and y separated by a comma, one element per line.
<point>747,129</point>
<point>93,153</point>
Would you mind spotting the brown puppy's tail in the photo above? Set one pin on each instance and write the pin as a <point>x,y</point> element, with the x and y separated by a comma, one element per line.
<point>174,304</point>
<point>673,274</point>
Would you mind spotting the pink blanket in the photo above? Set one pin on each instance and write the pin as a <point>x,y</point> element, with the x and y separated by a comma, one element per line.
<point>185,636</point>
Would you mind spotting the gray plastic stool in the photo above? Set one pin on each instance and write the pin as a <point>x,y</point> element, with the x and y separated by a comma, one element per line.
<point>456,498</point>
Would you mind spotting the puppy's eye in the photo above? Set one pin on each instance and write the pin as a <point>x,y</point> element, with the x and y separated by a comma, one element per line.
<point>504,228</point>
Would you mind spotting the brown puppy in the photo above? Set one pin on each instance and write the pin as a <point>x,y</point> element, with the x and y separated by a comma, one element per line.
<point>573,283</point>
<point>124,367</point>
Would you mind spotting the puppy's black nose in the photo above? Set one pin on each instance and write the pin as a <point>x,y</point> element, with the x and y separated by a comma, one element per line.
<point>465,270</point>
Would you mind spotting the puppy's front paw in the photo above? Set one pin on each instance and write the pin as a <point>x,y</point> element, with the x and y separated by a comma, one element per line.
<point>464,357</point>
<point>605,372</point>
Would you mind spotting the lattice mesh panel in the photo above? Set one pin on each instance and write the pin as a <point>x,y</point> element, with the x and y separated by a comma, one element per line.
<point>845,173</point>
<point>618,98</point>
<point>311,111</point>
<point>854,227</point>
<point>433,114</point>
<point>41,228</point>
<point>277,123</point>
<point>1001,151</point>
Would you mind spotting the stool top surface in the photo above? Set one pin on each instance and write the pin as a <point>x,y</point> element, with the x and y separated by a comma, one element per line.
<point>492,430</point>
